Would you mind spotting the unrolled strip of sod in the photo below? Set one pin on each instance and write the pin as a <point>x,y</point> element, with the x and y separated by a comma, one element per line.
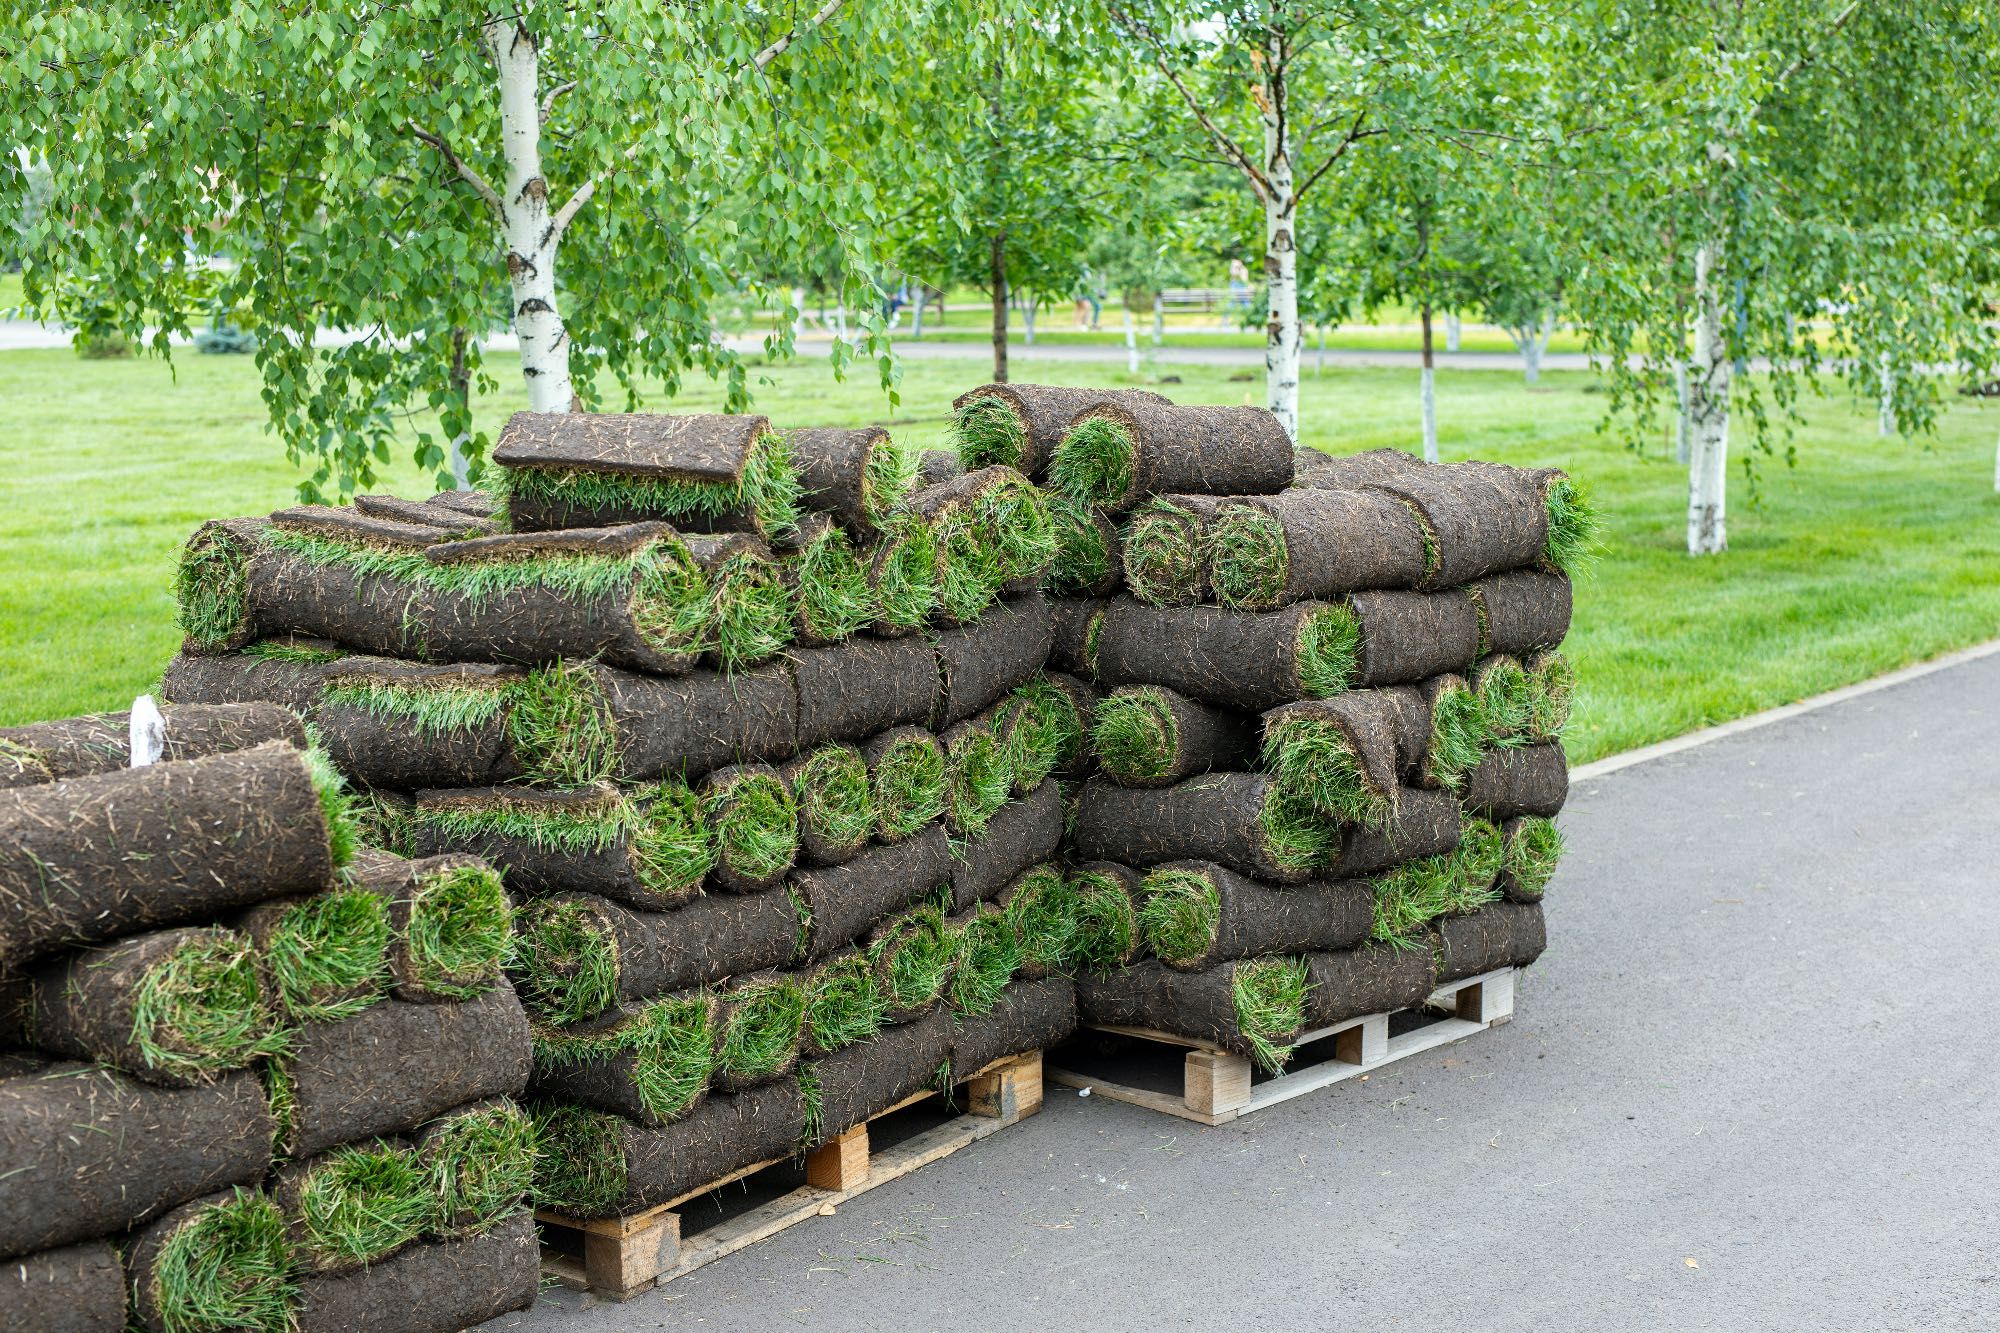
<point>980,662</point>
<point>80,1287</point>
<point>1231,659</point>
<point>1105,902</point>
<point>1521,610</point>
<point>649,847</point>
<point>1197,914</point>
<point>1089,555</point>
<point>1502,935</point>
<point>352,1205</point>
<point>1415,893</point>
<point>1348,472</point>
<point>844,1003</point>
<point>1401,637</point>
<point>220,1261</point>
<point>978,776</point>
<point>1166,549</point>
<point>1552,689</point>
<point>761,1018</point>
<point>396,1065</point>
<point>1032,1015</point>
<point>172,1006</point>
<point>684,726</point>
<point>750,608</point>
<point>829,590</point>
<point>1117,454</point>
<point>478,1162</point>
<point>598,1165</point>
<point>1020,834</point>
<point>1303,545</point>
<point>906,768</point>
<point>452,924</point>
<point>1042,725</point>
<point>864,686</point>
<point>1254,1007</point>
<point>649,1063</point>
<point>1339,755</point>
<point>101,743</point>
<point>756,825</point>
<point>1531,780</point>
<point>703,471</point>
<point>902,575</point>
<point>1248,822</point>
<point>433,1284</point>
<point>1151,736</point>
<point>426,512</point>
<point>1531,847</point>
<point>838,904</point>
<point>1426,823</point>
<point>836,803</point>
<point>473,503</point>
<point>1040,908</point>
<point>1480,518</point>
<point>99,857</point>
<point>578,955</point>
<point>859,476</point>
<point>846,1088</point>
<point>1021,424</point>
<point>85,1152</point>
<point>288,672</point>
<point>987,954</point>
<point>912,956</point>
<point>1372,979</point>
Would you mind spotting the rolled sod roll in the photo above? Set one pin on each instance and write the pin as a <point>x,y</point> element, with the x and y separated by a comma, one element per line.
<point>1198,914</point>
<point>858,476</point>
<point>451,924</point>
<point>1104,905</point>
<point>71,1289</point>
<point>836,803</point>
<point>1253,1007</point>
<point>102,743</point>
<point>289,672</point>
<point>906,768</point>
<point>393,1066</point>
<point>478,1161</point>
<point>1166,548</point>
<point>1151,736</point>
<point>1032,1015</point>
<point>1402,636</point>
<point>751,617</point>
<point>1040,908</point>
<point>707,472</point>
<point>578,955</point>
<point>826,583</point>
<point>1244,821</point>
<point>1530,848</point>
<point>430,513</point>
<point>1044,725</point>
<point>1426,823</point>
<point>174,1007</point>
<point>690,725</point>
<point>1340,755</point>
<point>1231,659</point>
<point>756,826</point>
<point>97,857</point>
<point>978,663</point>
<point>1351,471</point>
<point>901,567</point>
<point>327,956</point>
<point>855,689</point>
<point>1073,628</point>
<point>351,1205</point>
<point>648,1062</point>
<point>1497,936</point>
<point>937,465</point>
<point>1530,780</point>
<point>598,1165</point>
<point>760,1022</point>
<point>1521,611</point>
<point>1021,833</point>
<point>871,1076</point>
<point>912,955</point>
<point>1089,552</point>
<point>1021,424</point>
<point>1117,454</point>
<point>844,1003</point>
<point>435,1286</point>
<point>986,957</point>
<point>1301,545</point>
<point>370,709</point>
<point>649,848</point>
<point>216,1262</point>
<point>1551,694</point>
<point>1479,518</point>
<point>979,775</point>
<point>85,1152</point>
<point>840,903</point>
<point>1375,979</point>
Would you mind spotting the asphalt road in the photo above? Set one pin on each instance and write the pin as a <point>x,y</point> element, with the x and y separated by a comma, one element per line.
<point>1752,1084</point>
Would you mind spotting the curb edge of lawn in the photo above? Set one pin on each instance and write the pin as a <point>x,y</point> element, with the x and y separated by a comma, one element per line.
<point>1610,764</point>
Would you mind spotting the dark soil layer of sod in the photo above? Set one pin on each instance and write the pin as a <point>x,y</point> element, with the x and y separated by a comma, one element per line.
<point>451,924</point>
<point>1481,518</point>
<point>1426,823</point>
<point>869,1077</point>
<point>1197,915</point>
<point>825,582</point>
<point>1300,545</point>
<point>1104,903</point>
<point>74,1289</point>
<point>101,743</point>
<point>216,1262</point>
<point>103,856</point>
<point>938,465</point>
<point>1231,659</point>
<point>1529,780</point>
<point>906,769</point>
<point>856,689</point>
<point>85,1152</point>
<point>1151,736</point>
<point>1021,833</point>
<point>1376,979</point>
<point>578,955</point>
<point>471,516</point>
<point>1021,424</point>
<point>1411,636</point>
<point>351,1205</point>
<point>687,726</point>
<point>289,672</point>
<point>649,1062</point>
<point>1238,820</point>
<point>1530,848</point>
<point>406,725</point>
<point>1203,1005</point>
<point>1117,454</point>
<point>395,1065</point>
<point>1032,1015</point>
<point>912,955</point>
<point>173,1007</point>
<point>433,1285</point>
<point>596,1165</point>
<point>1340,754</point>
<point>1496,936</point>
<point>980,662</point>
<point>1521,611</point>
<point>1073,623</point>
<point>840,903</point>
<point>756,827</point>
<point>857,476</point>
<point>836,803</point>
<point>759,1024</point>
<point>1348,472</point>
<point>1166,549</point>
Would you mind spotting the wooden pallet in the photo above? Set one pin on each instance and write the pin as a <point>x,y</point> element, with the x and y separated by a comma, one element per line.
<point>1218,1086</point>
<point>623,1256</point>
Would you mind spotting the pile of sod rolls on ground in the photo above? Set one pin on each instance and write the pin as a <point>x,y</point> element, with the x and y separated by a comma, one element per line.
<point>252,1078</point>
<point>1327,748</point>
<point>757,727</point>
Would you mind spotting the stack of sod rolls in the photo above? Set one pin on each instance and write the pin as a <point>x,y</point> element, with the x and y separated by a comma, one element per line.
<point>184,980</point>
<point>1328,750</point>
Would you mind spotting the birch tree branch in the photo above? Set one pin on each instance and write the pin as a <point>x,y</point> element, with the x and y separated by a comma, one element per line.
<point>465,172</point>
<point>1259,182</point>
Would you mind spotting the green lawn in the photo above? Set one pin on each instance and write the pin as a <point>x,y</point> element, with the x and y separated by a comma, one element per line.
<point>1869,555</point>
<point>1060,331</point>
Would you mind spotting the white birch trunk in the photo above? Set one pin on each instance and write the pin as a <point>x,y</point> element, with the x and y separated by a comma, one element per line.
<point>1281,274</point>
<point>1681,413</point>
<point>1708,413</point>
<point>1430,415</point>
<point>840,320</point>
<point>1885,408</point>
<point>917,322</point>
<point>1451,328</point>
<point>1028,319</point>
<point>1159,319</point>
<point>531,238</point>
<point>799,312</point>
<point>1131,343</point>
<point>1319,365</point>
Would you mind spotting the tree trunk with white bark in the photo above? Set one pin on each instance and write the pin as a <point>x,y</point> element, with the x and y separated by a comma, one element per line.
<point>532,238</point>
<point>1885,408</point>
<point>461,391</point>
<point>1159,318</point>
<point>1131,343</point>
<point>1430,394</point>
<point>1028,320</point>
<point>1281,274</point>
<point>917,321</point>
<point>1451,331</point>
<point>1708,412</point>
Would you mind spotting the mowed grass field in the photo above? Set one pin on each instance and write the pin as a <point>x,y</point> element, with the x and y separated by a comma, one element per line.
<point>1868,555</point>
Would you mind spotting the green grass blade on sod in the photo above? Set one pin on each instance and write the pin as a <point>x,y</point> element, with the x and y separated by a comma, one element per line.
<point>328,956</point>
<point>671,1042</point>
<point>566,960</point>
<point>987,431</point>
<point>1270,997</point>
<point>357,1202</point>
<point>581,1165</point>
<point>225,1265</point>
<point>459,931</point>
<point>477,1164</point>
<point>844,1003</point>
